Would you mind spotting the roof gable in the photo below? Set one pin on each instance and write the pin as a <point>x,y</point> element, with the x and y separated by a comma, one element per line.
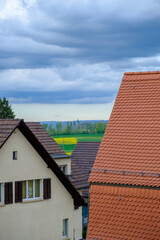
<point>130,149</point>
<point>6,129</point>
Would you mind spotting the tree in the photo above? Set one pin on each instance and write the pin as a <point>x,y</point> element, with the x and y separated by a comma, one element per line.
<point>67,129</point>
<point>59,128</point>
<point>100,127</point>
<point>6,111</point>
<point>45,125</point>
<point>50,129</point>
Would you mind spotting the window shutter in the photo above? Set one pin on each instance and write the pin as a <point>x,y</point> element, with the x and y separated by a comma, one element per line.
<point>8,193</point>
<point>18,191</point>
<point>47,188</point>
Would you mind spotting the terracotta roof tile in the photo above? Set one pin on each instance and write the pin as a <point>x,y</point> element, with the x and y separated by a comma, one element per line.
<point>131,143</point>
<point>123,213</point>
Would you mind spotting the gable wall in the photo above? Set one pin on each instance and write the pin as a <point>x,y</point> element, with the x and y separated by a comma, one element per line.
<point>35,220</point>
<point>66,161</point>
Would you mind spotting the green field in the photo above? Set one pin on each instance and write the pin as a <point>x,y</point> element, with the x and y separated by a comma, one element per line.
<point>68,142</point>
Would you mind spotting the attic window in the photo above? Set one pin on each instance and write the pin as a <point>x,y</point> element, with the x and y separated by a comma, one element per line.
<point>14,155</point>
<point>64,168</point>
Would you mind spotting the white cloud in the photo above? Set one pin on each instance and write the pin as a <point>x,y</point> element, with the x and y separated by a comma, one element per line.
<point>76,77</point>
<point>13,9</point>
<point>75,46</point>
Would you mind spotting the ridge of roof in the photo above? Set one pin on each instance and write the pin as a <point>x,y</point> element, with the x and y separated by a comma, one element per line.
<point>142,73</point>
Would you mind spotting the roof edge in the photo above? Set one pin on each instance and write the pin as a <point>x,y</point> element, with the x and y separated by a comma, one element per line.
<point>25,130</point>
<point>142,73</point>
<point>16,126</point>
<point>125,185</point>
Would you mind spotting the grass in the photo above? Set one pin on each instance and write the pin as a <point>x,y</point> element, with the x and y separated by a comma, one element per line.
<point>68,142</point>
<point>82,137</point>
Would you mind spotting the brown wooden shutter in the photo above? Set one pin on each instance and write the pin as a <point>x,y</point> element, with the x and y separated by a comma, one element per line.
<point>8,193</point>
<point>46,188</point>
<point>18,191</point>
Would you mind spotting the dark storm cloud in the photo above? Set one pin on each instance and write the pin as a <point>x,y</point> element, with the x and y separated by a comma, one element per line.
<point>75,50</point>
<point>61,97</point>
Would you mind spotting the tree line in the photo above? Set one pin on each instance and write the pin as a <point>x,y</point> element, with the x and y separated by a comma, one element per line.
<point>73,127</point>
<point>76,127</point>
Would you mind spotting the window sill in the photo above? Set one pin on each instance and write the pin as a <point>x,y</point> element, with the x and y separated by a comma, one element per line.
<point>32,200</point>
<point>2,204</point>
<point>65,238</point>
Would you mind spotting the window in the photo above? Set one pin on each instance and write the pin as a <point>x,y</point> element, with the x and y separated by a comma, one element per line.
<point>31,189</point>
<point>65,228</point>
<point>1,193</point>
<point>14,155</point>
<point>64,168</point>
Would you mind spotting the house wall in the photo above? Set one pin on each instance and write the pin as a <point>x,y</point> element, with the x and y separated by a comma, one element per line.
<point>65,161</point>
<point>78,223</point>
<point>32,220</point>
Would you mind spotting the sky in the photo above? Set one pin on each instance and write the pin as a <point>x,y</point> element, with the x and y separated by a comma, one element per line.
<point>64,60</point>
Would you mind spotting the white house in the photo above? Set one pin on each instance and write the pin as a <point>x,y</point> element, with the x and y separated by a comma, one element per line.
<point>37,200</point>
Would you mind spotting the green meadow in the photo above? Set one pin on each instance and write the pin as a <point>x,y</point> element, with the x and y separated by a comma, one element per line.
<point>68,142</point>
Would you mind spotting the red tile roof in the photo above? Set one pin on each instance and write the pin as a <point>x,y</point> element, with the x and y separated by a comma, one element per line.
<point>123,213</point>
<point>130,150</point>
<point>82,160</point>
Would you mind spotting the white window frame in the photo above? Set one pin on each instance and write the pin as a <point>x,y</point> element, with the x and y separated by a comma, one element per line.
<point>64,168</point>
<point>65,231</point>
<point>29,199</point>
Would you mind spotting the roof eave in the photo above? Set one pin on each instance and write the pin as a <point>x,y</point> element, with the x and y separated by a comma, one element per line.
<point>24,129</point>
<point>16,126</point>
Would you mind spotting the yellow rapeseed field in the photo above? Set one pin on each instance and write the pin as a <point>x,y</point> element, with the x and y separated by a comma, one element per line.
<point>66,141</point>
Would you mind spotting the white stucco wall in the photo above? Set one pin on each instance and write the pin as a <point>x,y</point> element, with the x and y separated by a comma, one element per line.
<point>65,161</point>
<point>78,223</point>
<point>35,220</point>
